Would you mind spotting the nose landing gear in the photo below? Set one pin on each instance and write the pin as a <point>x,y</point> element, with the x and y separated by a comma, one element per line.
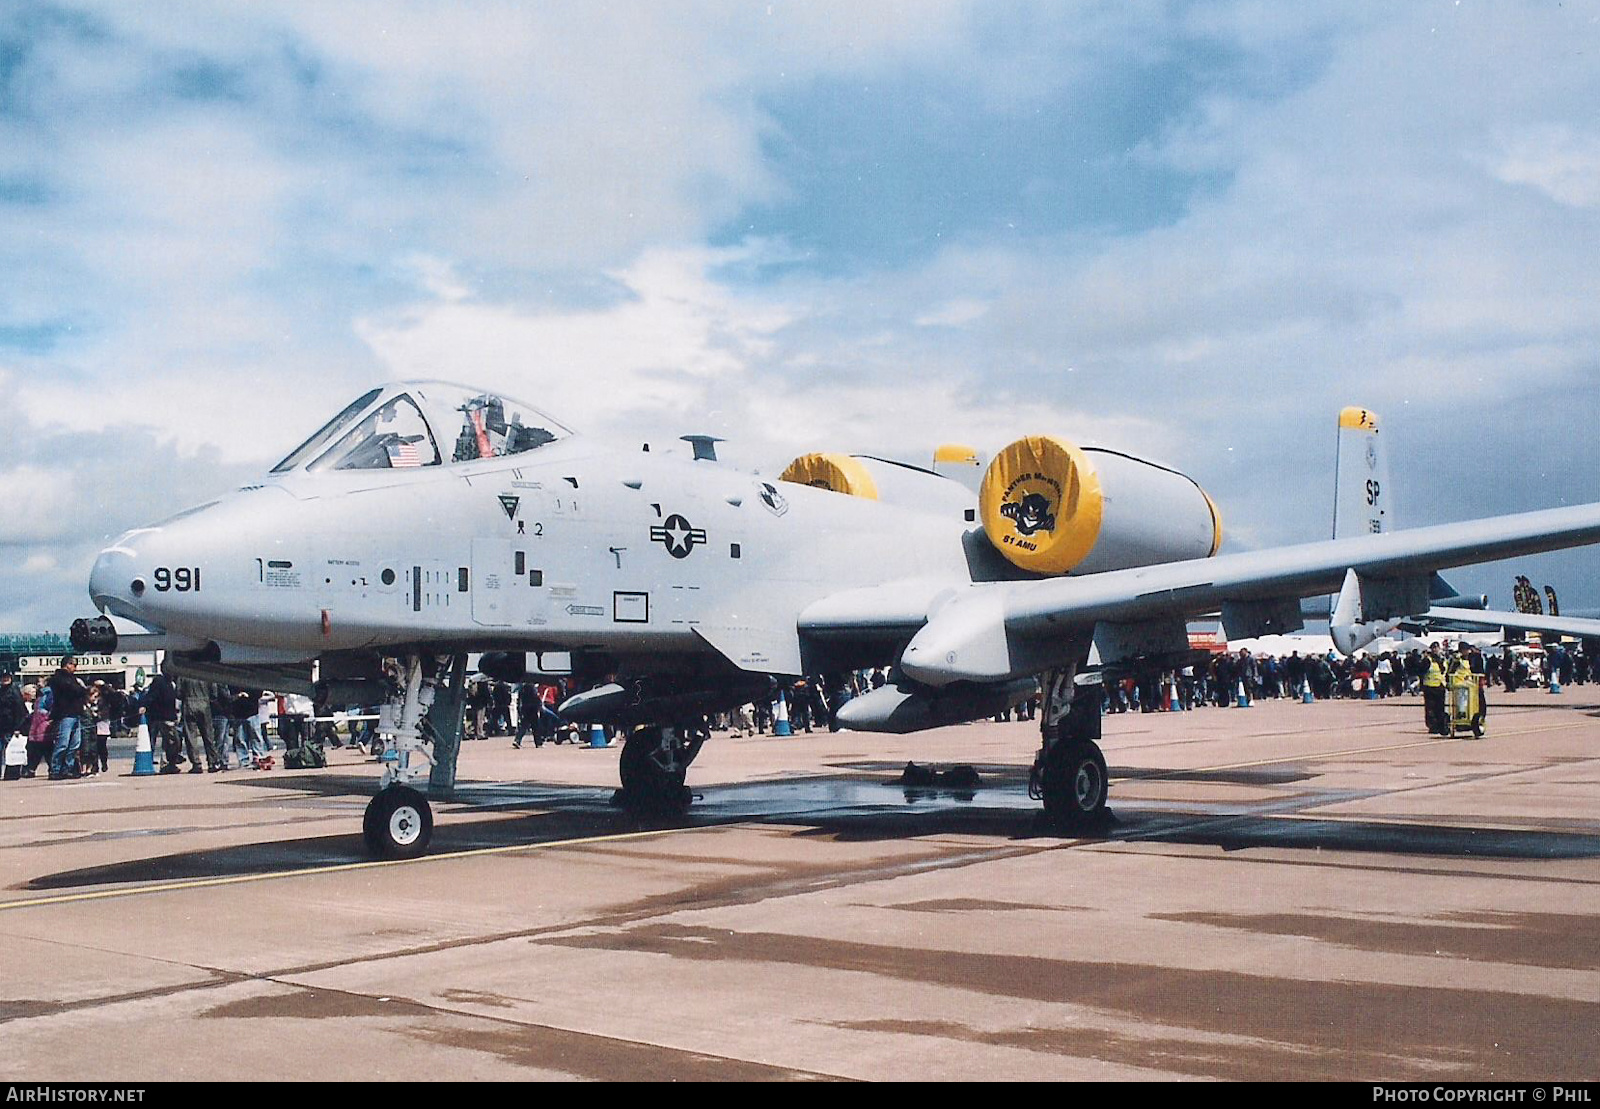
<point>399,822</point>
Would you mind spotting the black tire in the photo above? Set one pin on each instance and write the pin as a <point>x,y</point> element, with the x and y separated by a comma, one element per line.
<point>646,786</point>
<point>398,824</point>
<point>1075,785</point>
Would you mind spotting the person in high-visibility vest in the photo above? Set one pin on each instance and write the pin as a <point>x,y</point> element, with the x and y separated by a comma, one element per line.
<point>1433,709</point>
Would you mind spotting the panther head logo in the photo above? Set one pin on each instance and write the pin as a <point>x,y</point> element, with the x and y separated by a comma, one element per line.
<point>1032,513</point>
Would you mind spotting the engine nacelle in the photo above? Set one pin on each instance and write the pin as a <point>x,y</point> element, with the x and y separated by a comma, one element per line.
<point>1052,507</point>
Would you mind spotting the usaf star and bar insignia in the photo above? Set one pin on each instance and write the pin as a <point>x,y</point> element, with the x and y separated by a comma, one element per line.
<point>678,536</point>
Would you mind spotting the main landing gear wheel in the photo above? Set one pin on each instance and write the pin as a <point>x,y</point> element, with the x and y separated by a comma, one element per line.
<point>653,766</point>
<point>1074,784</point>
<point>398,824</point>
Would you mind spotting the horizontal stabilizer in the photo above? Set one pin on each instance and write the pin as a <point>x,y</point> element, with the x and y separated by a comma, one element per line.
<point>1492,620</point>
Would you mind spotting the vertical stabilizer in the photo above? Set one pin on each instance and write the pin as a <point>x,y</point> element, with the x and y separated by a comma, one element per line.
<point>960,463</point>
<point>1361,491</point>
<point>1361,495</point>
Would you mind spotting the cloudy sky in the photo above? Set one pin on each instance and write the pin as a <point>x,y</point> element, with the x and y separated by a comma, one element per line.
<point>1193,231</point>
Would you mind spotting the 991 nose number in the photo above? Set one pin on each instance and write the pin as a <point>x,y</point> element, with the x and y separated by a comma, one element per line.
<point>184,579</point>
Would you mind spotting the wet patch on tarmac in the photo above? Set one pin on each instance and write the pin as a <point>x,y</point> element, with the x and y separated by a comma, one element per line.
<point>721,891</point>
<point>19,1009</point>
<point>992,773</point>
<point>1240,776</point>
<point>784,799</point>
<point>299,1003</point>
<point>1554,940</point>
<point>1236,1060</point>
<point>978,905</point>
<point>978,821</point>
<point>22,1009</point>
<point>602,1058</point>
<point>478,997</point>
<point>1242,833</point>
<point>1418,866</point>
<point>1402,1031</point>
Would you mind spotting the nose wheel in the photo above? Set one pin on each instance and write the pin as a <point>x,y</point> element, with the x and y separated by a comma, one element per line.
<point>398,824</point>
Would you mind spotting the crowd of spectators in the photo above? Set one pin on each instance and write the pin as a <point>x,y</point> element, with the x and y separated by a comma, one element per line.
<point>1234,678</point>
<point>65,724</point>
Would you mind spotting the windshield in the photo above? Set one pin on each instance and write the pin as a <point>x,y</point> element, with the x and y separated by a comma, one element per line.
<point>487,425</point>
<point>393,437</point>
<point>326,433</point>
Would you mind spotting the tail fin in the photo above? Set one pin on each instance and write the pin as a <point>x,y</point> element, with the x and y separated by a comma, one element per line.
<point>1361,496</point>
<point>1361,485</point>
<point>1360,490</point>
<point>960,463</point>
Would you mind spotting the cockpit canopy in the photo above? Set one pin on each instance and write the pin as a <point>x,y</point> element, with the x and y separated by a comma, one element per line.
<point>423,423</point>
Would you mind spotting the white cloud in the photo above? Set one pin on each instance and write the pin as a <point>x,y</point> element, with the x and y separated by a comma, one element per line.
<point>645,357</point>
<point>954,313</point>
<point>681,353</point>
<point>39,563</point>
<point>1558,161</point>
<point>32,491</point>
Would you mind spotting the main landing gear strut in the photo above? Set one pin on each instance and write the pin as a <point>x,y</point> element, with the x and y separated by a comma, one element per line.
<point>1069,772</point>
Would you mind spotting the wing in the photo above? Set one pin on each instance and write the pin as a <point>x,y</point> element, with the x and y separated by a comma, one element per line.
<point>988,632</point>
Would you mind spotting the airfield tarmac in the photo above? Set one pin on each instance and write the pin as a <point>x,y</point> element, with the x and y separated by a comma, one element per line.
<point>1288,892</point>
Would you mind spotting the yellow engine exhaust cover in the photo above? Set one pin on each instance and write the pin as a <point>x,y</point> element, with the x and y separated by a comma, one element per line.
<point>1042,504</point>
<point>838,472</point>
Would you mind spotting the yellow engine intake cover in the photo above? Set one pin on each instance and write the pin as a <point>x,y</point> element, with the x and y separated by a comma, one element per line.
<point>1042,504</point>
<point>838,472</point>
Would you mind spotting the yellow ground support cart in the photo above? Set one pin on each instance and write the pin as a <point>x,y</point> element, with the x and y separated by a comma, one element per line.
<point>1464,702</point>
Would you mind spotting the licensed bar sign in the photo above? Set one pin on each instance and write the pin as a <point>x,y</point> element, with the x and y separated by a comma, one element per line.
<point>93,664</point>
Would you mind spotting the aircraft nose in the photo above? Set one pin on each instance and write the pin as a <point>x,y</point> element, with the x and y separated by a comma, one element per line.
<point>115,585</point>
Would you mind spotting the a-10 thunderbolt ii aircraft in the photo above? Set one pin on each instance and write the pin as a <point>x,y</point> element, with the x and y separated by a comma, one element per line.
<point>428,520</point>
